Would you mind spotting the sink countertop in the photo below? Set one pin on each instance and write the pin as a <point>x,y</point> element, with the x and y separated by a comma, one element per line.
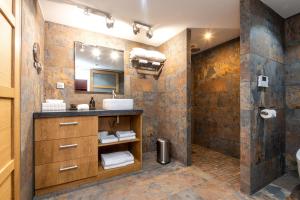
<point>74,113</point>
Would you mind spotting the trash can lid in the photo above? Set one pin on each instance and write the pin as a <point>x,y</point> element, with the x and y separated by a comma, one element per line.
<point>162,140</point>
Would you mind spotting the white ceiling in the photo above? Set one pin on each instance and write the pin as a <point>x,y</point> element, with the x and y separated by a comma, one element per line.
<point>219,36</point>
<point>168,17</point>
<point>285,8</point>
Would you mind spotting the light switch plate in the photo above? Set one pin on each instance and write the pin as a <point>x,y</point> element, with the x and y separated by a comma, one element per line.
<point>263,81</point>
<point>60,85</point>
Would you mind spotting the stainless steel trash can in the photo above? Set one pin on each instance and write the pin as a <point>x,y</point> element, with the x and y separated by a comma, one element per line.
<point>163,151</point>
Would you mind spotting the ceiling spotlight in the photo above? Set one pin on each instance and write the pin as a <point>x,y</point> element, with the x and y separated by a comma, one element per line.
<point>86,11</point>
<point>135,28</point>
<point>109,21</point>
<point>149,33</point>
<point>207,35</point>
<point>96,52</point>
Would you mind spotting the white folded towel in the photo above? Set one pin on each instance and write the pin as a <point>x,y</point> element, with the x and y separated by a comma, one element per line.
<point>53,106</point>
<point>102,134</point>
<point>127,138</point>
<point>117,165</point>
<point>125,134</point>
<point>83,107</point>
<point>54,101</point>
<point>116,158</point>
<point>108,139</point>
<point>139,53</point>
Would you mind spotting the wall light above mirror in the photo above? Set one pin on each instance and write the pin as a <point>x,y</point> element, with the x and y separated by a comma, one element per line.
<point>98,69</point>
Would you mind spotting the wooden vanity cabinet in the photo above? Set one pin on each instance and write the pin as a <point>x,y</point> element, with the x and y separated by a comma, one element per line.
<point>67,151</point>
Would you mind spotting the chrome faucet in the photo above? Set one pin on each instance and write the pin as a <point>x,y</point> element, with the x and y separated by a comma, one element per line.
<point>114,95</point>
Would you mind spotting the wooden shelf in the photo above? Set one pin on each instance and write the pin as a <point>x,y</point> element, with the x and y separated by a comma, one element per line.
<point>107,173</point>
<point>116,143</point>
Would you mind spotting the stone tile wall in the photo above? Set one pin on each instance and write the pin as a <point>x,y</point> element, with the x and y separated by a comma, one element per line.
<point>31,89</point>
<point>292,90</point>
<point>174,92</point>
<point>262,52</point>
<point>216,98</point>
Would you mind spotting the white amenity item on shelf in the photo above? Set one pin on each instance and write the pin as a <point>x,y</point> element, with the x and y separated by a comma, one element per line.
<point>83,107</point>
<point>116,158</point>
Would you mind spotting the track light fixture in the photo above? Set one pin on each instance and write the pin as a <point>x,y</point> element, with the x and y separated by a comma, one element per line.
<point>136,28</point>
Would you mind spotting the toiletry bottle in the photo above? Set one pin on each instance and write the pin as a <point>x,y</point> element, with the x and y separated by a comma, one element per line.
<point>92,104</point>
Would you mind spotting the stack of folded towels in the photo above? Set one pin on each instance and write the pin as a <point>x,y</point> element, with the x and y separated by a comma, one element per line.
<point>104,137</point>
<point>54,105</point>
<point>125,135</point>
<point>116,159</point>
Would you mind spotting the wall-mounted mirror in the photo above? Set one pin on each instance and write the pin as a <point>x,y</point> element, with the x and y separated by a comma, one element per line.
<point>98,69</point>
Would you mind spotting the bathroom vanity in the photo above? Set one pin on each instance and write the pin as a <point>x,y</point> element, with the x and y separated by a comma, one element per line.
<point>67,151</point>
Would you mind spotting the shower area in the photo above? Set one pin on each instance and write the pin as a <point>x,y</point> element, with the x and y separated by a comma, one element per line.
<point>215,63</point>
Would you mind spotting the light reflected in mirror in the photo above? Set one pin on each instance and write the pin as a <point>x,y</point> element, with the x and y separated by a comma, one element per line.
<point>98,69</point>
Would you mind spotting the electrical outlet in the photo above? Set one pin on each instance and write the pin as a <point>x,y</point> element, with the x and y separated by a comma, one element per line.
<point>60,85</point>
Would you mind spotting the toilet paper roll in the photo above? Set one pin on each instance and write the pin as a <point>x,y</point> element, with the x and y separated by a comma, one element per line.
<point>268,113</point>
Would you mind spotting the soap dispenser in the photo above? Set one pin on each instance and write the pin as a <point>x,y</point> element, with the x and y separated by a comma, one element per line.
<point>92,104</point>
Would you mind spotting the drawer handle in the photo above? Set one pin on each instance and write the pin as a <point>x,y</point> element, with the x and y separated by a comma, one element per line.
<point>68,168</point>
<point>68,123</point>
<point>68,146</point>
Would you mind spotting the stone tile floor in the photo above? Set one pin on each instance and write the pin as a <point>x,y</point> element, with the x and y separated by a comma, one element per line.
<point>213,176</point>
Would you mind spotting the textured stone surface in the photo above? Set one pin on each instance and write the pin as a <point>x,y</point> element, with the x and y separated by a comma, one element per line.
<point>216,98</point>
<point>292,90</point>
<point>59,62</point>
<point>31,88</point>
<point>213,176</point>
<point>262,52</point>
<point>174,103</point>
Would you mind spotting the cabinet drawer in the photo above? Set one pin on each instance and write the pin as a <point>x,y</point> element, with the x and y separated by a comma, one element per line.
<point>67,171</point>
<point>49,151</point>
<point>65,127</point>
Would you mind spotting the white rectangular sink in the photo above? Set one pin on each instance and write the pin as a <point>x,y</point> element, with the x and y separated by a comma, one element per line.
<point>117,104</point>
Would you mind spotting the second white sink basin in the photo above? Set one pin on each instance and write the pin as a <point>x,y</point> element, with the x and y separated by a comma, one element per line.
<point>118,104</point>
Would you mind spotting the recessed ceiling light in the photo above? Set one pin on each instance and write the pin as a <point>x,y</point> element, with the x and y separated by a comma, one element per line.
<point>96,52</point>
<point>207,35</point>
<point>114,55</point>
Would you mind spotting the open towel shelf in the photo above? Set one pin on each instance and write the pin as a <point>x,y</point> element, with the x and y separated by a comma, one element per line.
<point>147,62</point>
